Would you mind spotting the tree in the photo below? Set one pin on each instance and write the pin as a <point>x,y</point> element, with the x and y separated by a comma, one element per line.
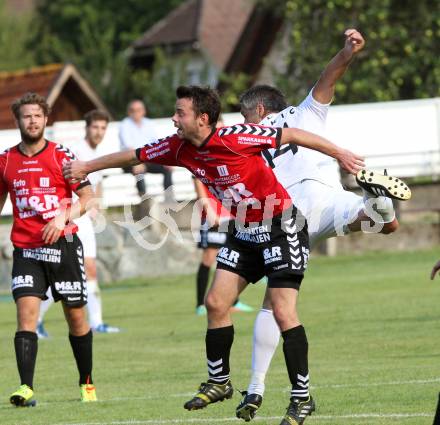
<point>401,59</point>
<point>95,36</point>
<point>15,33</point>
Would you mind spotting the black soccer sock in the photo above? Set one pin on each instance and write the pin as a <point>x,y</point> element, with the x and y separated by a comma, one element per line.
<point>82,350</point>
<point>437,413</point>
<point>140,184</point>
<point>202,283</point>
<point>295,349</point>
<point>218,348</point>
<point>26,348</point>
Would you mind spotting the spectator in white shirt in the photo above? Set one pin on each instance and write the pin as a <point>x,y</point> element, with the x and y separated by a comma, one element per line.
<point>136,131</point>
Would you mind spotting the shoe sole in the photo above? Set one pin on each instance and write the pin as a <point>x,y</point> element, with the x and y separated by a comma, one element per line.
<point>247,412</point>
<point>226,397</point>
<point>381,185</point>
<point>19,401</point>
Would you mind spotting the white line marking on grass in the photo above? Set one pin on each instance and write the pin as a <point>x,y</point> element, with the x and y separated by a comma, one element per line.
<point>378,384</point>
<point>257,419</point>
<point>287,389</point>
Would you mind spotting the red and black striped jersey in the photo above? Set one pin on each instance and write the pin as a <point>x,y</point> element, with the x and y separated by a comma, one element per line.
<point>229,163</point>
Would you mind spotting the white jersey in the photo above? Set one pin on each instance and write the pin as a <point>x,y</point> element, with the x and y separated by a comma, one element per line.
<point>133,136</point>
<point>84,152</point>
<point>293,164</point>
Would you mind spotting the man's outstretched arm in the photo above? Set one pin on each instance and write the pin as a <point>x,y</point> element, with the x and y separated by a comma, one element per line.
<point>349,161</point>
<point>78,170</point>
<point>324,89</point>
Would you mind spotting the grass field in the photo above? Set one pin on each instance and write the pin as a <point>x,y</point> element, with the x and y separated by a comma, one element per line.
<point>373,330</point>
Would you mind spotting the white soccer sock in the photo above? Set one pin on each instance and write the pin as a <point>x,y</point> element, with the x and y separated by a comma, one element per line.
<point>266,338</point>
<point>380,205</point>
<point>94,306</point>
<point>44,305</point>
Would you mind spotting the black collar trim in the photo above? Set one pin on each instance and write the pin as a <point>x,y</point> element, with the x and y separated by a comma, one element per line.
<point>35,154</point>
<point>205,142</point>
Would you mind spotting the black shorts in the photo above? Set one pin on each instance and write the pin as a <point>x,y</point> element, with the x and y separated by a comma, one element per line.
<point>279,250</point>
<point>211,237</point>
<point>59,266</point>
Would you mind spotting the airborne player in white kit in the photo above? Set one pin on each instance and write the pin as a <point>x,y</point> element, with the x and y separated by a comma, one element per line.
<point>311,180</point>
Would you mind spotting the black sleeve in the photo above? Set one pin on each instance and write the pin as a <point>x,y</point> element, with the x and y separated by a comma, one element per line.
<point>278,137</point>
<point>138,154</point>
<point>84,183</point>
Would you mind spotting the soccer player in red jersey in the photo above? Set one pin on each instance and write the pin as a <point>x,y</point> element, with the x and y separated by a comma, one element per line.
<point>269,237</point>
<point>47,251</point>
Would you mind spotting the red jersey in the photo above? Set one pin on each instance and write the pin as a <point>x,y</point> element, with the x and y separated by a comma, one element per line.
<point>36,186</point>
<point>221,212</point>
<point>230,165</point>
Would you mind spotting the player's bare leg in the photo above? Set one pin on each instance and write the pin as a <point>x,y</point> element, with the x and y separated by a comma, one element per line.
<point>207,261</point>
<point>219,338</point>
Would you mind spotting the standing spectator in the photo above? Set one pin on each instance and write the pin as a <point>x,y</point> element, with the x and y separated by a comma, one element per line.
<point>96,127</point>
<point>135,131</point>
<point>47,251</point>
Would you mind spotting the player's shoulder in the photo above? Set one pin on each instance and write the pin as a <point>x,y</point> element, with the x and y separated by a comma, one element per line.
<point>279,119</point>
<point>173,139</point>
<point>9,151</point>
<point>6,152</point>
<point>62,151</point>
<point>248,129</point>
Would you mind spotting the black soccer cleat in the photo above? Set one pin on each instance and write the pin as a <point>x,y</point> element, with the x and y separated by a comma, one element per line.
<point>209,393</point>
<point>298,410</point>
<point>383,185</point>
<point>248,406</point>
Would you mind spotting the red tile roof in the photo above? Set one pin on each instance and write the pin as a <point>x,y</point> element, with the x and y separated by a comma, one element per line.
<point>212,25</point>
<point>49,81</point>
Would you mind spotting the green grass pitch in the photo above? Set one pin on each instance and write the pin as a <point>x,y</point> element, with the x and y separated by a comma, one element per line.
<point>374,341</point>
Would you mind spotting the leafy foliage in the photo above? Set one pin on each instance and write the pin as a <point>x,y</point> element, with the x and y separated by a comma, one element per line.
<point>401,59</point>
<point>15,33</point>
<point>95,36</point>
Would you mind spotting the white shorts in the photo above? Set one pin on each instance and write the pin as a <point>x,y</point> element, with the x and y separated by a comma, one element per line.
<point>86,233</point>
<point>328,210</point>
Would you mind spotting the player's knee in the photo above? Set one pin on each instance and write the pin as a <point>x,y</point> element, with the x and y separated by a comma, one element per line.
<point>285,319</point>
<point>215,304</point>
<point>76,320</point>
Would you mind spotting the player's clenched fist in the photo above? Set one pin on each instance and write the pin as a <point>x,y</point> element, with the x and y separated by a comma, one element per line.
<point>435,269</point>
<point>354,42</point>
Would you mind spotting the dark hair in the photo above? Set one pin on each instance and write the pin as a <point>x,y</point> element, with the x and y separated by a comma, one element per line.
<point>270,97</point>
<point>205,101</point>
<point>96,115</point>
<point>30,99</point>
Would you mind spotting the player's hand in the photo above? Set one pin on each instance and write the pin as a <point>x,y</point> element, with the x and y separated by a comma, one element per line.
<point>349,161</point>
<point>435,269</point>
<point>75,170</point>
<point>354,42</point>
<point>53,229</point>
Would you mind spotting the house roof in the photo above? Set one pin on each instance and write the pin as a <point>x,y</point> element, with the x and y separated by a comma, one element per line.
<point>55,82</point>
<point>210,25</point>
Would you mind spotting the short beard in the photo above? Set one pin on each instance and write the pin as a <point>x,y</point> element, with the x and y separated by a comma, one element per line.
<point>31,140</point>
